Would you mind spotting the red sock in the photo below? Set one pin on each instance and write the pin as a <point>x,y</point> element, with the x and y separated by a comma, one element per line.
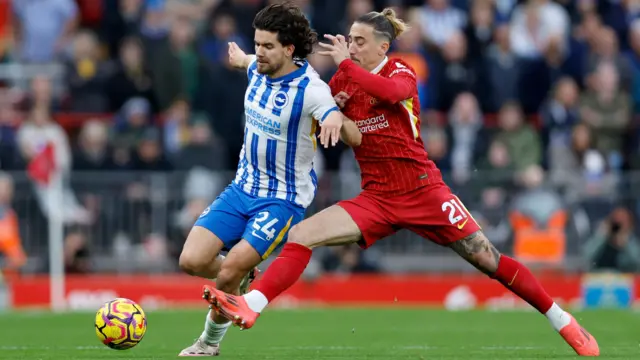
<point>285,270</point>
<point>519,279</point>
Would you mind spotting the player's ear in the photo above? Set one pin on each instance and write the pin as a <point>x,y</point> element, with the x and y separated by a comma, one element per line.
<point>384,47</point>
<point>289,49</point>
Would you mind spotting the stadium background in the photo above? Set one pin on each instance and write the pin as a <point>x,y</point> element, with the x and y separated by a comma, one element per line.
<point>528,107</point>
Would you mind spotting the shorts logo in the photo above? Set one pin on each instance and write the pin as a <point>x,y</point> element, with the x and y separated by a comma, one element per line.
<point>206,211</point>
<point>280,100</point>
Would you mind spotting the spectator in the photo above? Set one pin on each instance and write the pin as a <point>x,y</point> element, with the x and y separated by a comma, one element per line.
<point>132,122</point>
<point>606,108</point>
<point>457,73</point>
<point>195,11</point>
<point>559,114</point>
<point>467,137</point>
<point>606,49</point>
<point>38,132</point>
<point>131,79</point>
<point>44,28</point>
<point>148,155</point>
<point>479,32</point>
<point>86,75</point>
<point>355,9</point>
<point>121,20</point>
<point>522,142</point>
<point>92,152</point>
<point>582,171</point>
<point>536,200</point>
<point>496,173</point>
<point>203,149</point>
<point>224,105</point>
<point>440,21</point>
<point>176,127</point>
<point>502,70</point>
<point>536,23</point>
<point>175,66</point>
<point>614,246</point>
<point>221,30</point>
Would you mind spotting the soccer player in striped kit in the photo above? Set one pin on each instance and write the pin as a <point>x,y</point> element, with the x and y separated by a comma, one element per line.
<point>285,103</point>
<point>402,188</point>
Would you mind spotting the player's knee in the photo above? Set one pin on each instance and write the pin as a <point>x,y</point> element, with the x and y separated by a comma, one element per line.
<point>298,235</point>
<point>190,264</point>
<point>229,279</point>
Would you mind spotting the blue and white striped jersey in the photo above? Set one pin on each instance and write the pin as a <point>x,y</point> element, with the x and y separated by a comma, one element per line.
<point>281,118</point>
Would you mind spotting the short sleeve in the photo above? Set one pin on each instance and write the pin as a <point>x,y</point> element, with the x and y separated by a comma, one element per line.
<point>319,101</point>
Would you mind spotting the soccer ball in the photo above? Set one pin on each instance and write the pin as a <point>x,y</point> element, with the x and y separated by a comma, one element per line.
<point>121,324</point>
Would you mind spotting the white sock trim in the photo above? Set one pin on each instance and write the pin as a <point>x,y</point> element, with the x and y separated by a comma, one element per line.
<point>558,317</point>
<point>256,300</point>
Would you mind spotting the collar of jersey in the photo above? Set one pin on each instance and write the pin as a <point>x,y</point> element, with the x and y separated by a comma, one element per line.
<point>380,66</point>
<point>290,76</point>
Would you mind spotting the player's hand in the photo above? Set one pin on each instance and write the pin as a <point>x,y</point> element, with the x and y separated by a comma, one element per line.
<point>338,49</point>
<point>330,129</point>
<point>341,99</point>
<point>237,57</point>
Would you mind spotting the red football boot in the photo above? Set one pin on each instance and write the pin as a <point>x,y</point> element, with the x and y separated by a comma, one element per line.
<point>232,307</point>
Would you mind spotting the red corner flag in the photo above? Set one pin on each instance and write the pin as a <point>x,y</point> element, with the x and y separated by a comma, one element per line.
<point>42,165</point>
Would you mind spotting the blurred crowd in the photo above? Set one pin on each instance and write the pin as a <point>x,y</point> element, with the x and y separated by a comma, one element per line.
<point>528,108</point>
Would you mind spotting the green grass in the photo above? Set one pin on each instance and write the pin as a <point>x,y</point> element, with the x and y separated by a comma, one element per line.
<point>336,334</point>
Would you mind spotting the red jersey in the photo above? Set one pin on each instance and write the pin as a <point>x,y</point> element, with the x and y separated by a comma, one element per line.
<point>385,106</point>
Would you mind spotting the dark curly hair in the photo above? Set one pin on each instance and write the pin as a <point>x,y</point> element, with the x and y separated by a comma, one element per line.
<point>292,27</point>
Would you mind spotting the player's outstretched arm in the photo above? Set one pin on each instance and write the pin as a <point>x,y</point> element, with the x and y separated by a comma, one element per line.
<point>400,86</point>
<point>238,58</point>
<point>350,134</point>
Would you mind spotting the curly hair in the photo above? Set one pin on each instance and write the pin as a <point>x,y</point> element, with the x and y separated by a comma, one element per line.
<point>292,27</point>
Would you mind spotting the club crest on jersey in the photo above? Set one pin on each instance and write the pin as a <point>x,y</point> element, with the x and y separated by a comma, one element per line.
<point>373,101</point>
<point>280,100</point>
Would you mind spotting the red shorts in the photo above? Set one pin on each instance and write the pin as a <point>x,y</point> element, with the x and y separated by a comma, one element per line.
<point>432,212</point>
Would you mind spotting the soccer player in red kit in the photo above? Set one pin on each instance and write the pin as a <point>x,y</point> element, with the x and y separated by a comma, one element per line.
<point>402,188</point>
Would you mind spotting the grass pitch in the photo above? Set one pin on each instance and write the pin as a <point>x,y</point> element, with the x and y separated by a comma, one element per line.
<point>336,334</point>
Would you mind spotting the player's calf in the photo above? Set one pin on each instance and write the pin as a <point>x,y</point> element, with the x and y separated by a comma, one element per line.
<point>478,251</point>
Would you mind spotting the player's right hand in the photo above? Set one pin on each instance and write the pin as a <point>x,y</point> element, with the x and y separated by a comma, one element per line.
<point>330,129</point>
<point>237,57</point>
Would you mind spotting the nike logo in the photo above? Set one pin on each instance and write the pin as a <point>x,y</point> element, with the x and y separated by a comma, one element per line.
<point>460,226</point>
<point>514,277</point>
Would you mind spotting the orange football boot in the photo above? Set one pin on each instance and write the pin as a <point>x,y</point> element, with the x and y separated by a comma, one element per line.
<point>579,339</point>
<point>232,307</point>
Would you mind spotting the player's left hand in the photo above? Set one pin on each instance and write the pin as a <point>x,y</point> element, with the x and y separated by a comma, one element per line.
<point>338,49</point>
<point>330,129</point>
